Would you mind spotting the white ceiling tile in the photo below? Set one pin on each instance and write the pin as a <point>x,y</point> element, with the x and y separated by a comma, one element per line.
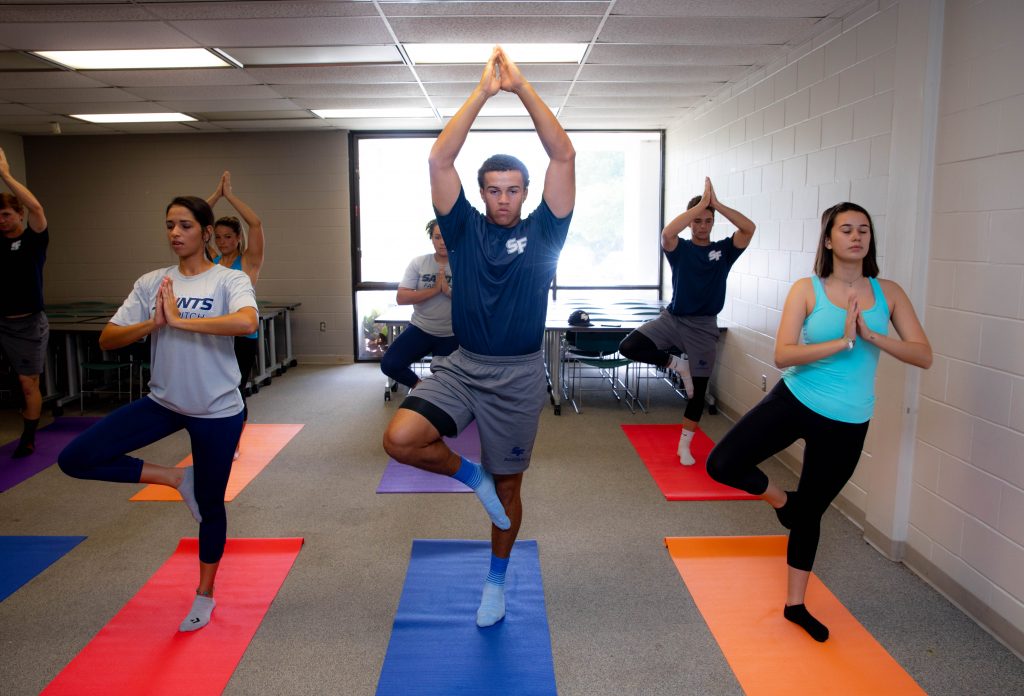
<point>175,10</point>
<point>313,55</point>
<point>361,103</point>
<point>611,90</point>
<point>42,96</point>
<point>404,89</point>
<point>471,73</point>
<point>705,74</point>
<point>55,79</point>
<point>734,8</point>
<point>199,92</point>
<point>173,77</point>
<point>332,74</point>
<point>84,36</point>
<point>703,31</point>
<point>631,54</point>
<point>487,30</point>
<point>458,8</point>
<point>253,115</point>
<point>276,124</point>
<point>322,31</point>
<point>188,106</point>
<point>75,107</point>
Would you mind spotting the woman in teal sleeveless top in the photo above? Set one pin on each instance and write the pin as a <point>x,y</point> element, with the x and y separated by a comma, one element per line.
<point>241,254</point>
<point>833,326</point>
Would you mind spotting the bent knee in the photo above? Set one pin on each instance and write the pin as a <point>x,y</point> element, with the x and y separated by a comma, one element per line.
<point>72,461</point>
<point>716,466</point>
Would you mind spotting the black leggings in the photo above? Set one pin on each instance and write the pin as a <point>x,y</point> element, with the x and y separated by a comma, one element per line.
<point>245,353</point>
<point>832,450</point>
<point>639,348</point>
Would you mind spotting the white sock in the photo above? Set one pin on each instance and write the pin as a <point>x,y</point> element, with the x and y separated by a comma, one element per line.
<point>492,605</point>
<point>685,438</point>
<point>682,367</point>
<point>187,488</point>
<point>202,607</point>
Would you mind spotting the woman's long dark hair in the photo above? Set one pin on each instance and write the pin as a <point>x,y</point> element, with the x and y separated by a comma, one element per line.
<point>823,260</point>
<point>200,210</point>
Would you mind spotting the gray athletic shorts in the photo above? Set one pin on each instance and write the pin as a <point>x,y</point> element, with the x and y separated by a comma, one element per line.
<point>697,337</point>
<point>504,394</point>
<point>23,341</point>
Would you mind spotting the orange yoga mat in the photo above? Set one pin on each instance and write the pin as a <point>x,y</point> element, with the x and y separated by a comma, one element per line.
<point>739,585</point>
<point>141,651</point>
<point>260,444</point>
<point>657,444</point>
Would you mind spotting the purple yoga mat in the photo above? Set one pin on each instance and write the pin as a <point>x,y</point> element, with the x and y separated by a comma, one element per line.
<point>401,478</point>
<point>49,442</point>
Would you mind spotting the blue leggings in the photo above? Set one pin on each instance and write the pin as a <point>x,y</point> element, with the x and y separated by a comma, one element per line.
<point>831,452</point>
<point>411,345</point>
<point>98,454</point>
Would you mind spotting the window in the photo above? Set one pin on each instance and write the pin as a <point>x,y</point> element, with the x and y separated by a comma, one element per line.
<point>613,242</point>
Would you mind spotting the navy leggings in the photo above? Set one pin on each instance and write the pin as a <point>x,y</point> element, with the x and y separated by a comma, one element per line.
<point>246,350</point>
<point>832,450</point>
<point>640,348</point>
<point>413,344</point>
<point>99,454</point>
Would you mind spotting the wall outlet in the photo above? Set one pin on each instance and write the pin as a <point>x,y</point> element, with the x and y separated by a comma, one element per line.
<point>764,383</point>
<point>323,326</point>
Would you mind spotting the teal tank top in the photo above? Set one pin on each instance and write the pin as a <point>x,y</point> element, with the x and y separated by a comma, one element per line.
<point>236,265</point>
<point>841,386</point>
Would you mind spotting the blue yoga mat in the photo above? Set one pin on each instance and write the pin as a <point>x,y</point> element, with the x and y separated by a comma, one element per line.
<point>436,647</point>
<point>24,557</point>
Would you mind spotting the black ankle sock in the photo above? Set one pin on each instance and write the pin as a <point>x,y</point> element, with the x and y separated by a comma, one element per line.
<point>799,615</point>
<point>28,432</point>
<point>787,512</point>
<point>27,444</point>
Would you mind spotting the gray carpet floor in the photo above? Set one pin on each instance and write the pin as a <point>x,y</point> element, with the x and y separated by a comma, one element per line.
<point>621,619</point>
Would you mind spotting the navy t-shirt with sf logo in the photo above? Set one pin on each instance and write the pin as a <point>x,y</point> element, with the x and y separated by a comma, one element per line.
<point>698,276</point>
<point>500,301</point>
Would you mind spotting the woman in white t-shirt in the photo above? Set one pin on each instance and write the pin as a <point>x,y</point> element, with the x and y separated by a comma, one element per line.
<point>427,287</point>
<point>191,312</point>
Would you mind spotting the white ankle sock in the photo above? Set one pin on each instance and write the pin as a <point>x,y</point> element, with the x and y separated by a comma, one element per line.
<point>202,607</point>
<point>685,438</point>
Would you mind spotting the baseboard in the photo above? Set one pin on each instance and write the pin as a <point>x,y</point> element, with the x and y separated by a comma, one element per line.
<point>324,359</point>
<point>993,622</point>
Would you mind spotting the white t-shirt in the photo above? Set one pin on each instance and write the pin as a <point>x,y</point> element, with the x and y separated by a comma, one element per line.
<point>192,373</point>
<point>433,316</point>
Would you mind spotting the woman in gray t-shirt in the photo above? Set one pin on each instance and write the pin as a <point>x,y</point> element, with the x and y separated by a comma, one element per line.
<point>427,286</point>
<point>191,312</point>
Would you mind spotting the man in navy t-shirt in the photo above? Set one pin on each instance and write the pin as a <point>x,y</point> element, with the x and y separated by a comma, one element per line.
<point>24,331</point>
<point>504,266</point>
<point>689,325</point>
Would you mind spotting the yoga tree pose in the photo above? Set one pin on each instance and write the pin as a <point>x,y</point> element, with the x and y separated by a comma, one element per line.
<point>506,264</point>
<point>190,311</point>
<point>827,392</point>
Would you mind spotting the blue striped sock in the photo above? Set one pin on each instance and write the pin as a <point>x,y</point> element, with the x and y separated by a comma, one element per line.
<point>469,473</point>
<point>496,575</point>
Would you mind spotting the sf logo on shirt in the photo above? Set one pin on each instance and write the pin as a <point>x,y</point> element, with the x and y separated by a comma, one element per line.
<point>714,255</point>
<point>515,246</point>
<point>17,245</point>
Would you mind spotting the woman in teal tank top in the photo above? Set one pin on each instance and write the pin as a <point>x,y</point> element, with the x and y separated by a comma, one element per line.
<point>240,254</point>
<point>833,327</point>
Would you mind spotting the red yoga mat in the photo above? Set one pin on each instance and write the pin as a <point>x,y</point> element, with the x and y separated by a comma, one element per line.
<point>657,445</point>
<point>739,585</point>
<point>141,651</point>
<point>260,444</point>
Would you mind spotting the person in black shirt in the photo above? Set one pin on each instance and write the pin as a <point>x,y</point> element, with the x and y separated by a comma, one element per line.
<point>23,327</point>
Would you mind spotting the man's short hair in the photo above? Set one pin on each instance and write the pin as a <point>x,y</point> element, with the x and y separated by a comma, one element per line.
<point>694,201</point>
<point>502,163</point>
<point>8,200</point>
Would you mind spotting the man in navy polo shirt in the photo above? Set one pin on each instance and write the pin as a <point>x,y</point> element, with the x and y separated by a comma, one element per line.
<point>505,265</point>
<point>689,324</point>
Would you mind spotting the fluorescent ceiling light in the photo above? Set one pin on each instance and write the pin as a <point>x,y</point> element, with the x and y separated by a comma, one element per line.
<point>132,118</point>
<point>405,112</point>
<point>136,59</point>
<point>479,53</point>
<point>317,55</point>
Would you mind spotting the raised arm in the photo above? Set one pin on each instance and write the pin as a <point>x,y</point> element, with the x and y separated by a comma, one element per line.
<point>670,235</point>
<point>444,180</point>
<point>36,214</point>
<point>252,259</point>
<point>913,346</point>
<point>560,179</point>
<point>744,226</point>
